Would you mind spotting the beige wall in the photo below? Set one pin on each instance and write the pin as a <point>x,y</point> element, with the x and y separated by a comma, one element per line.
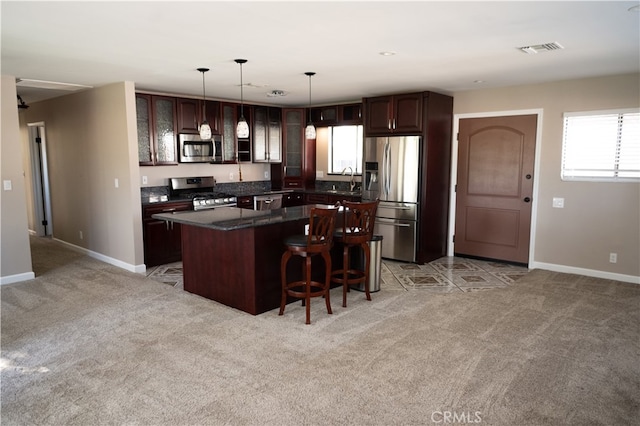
<point>15,253</point>
<point>598,218</point>
<point>91,139</point>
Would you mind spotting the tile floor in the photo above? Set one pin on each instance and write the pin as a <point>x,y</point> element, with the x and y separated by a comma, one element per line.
<point>444,275</point>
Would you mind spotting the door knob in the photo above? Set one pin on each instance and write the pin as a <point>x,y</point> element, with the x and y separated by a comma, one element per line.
<point>527,199</point>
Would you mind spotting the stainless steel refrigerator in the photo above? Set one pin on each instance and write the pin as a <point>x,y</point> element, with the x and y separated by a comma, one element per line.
<point>391,172</point>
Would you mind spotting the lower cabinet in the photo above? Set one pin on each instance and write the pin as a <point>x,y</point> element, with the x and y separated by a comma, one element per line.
<point>245,202</point>
<point>162,240</point>
<point>292,199</point>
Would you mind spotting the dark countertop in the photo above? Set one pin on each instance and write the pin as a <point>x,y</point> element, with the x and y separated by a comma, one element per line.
<point>231,218</point>
<point>166,199</point>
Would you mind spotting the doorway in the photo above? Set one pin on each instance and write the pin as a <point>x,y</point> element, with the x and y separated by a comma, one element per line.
<point>493,204</point>
<point>41,198</point>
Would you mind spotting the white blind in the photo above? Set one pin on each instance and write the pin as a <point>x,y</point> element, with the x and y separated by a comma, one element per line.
<point>602,145</point>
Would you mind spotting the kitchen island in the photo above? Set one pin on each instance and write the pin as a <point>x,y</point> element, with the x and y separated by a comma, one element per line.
<point>232,255</point>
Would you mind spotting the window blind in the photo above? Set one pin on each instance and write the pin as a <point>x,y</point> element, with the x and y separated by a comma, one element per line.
<point>601,145</point>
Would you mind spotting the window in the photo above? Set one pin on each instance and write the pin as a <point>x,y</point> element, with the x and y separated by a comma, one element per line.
<point>601,146</point>
<point>345,149</point>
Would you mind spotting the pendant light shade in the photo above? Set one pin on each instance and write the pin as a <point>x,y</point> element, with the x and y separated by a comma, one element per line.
<point>310,130</point>
<point>243,128</point>
<point>205,129</point>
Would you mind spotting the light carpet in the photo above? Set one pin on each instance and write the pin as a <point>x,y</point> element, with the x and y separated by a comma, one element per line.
<point>89,343</point>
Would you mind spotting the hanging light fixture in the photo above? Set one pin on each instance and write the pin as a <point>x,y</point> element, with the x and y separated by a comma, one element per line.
<point>243,128</point>
<point>204,129</point>
<point>310,130</point>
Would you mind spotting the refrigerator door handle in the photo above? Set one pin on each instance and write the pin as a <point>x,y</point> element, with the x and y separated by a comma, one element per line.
<point>397,208</point>
<point>387,168</point>
<point>393,223</point>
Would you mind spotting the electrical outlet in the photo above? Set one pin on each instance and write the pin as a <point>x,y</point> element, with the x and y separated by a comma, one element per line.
<point>613,257</point>
<point>266,175</point>
<point>558,203</point>
<point>145,180</point>
<point>231,176</point>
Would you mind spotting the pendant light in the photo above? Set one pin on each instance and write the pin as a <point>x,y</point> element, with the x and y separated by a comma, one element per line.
<point>205,129</point>
<point>243,128</point>
<point>310,130</point>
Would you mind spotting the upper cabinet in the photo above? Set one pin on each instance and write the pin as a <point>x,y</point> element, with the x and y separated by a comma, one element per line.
<point>324,115</point>
<point>190,115</point>
<point>157,130</point>
<point>395,114</point>
<point>293,146</point>
<point>267,135</point>
<point>350,114</point>
<point>336,115</point>
<point>229,123</point>
<point>244,144</point>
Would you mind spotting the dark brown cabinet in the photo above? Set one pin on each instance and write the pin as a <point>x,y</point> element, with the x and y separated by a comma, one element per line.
<point>162,240</point>
<point>245,202</point>
<point>229,141</point>
<point>314,198</point>
<point>324,115</point>
<point>189,115</point>
<point>244,144</point>
<point>267,135</point>
<point>293,146</point>
<point>157,130</point>
<point>350,114</point>
<point>292,199</point>
<point>395,114</point>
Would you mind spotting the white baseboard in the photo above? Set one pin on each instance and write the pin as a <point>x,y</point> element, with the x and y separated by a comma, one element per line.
<point>11,279</point>
<point>587,272</point>
<point>138,269</point>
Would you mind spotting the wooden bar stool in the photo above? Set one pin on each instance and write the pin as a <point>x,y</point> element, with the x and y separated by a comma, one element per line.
<point>318,241</point>
<point>357,230</point>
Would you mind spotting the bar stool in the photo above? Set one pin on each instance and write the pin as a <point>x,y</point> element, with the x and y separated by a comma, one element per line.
<point>357,230</point>
<point>318,242</point>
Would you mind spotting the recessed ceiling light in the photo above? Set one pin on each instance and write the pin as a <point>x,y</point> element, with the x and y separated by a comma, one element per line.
<point>387,53</point>
<point>478,81</point>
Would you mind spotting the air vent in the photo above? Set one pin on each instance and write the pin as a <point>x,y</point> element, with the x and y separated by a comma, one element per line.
<point>276,93</point>
<point>546,47</point>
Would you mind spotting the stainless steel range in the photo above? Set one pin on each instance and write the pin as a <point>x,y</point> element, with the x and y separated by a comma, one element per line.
<point>201,190</point>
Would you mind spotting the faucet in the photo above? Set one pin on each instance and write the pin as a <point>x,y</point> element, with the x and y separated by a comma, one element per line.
<point>352,182</point>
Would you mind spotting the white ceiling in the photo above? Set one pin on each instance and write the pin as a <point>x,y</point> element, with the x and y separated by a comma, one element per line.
<point>440,46</point>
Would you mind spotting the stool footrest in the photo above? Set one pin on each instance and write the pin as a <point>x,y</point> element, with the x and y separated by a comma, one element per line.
<point>317,289</point>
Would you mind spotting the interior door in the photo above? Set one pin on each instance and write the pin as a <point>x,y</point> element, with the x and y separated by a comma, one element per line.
<point>495,187</point>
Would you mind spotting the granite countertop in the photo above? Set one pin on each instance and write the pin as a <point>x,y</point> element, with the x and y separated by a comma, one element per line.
<point>156,199</point>
<point>231,218</point>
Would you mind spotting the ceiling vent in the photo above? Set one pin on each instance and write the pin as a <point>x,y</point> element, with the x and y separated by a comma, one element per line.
<point>276,93</point>
<point>546,47</point>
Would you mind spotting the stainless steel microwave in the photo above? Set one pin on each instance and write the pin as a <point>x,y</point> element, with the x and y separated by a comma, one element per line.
<point>195,150</point>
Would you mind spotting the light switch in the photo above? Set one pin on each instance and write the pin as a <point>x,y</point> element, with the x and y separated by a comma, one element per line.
<point>558,203</point>
<point>117,183</point>
<point>7,185</point>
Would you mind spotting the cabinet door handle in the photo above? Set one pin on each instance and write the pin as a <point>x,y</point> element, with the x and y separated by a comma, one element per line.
<point>394,124</point>
<point>389,124</point>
